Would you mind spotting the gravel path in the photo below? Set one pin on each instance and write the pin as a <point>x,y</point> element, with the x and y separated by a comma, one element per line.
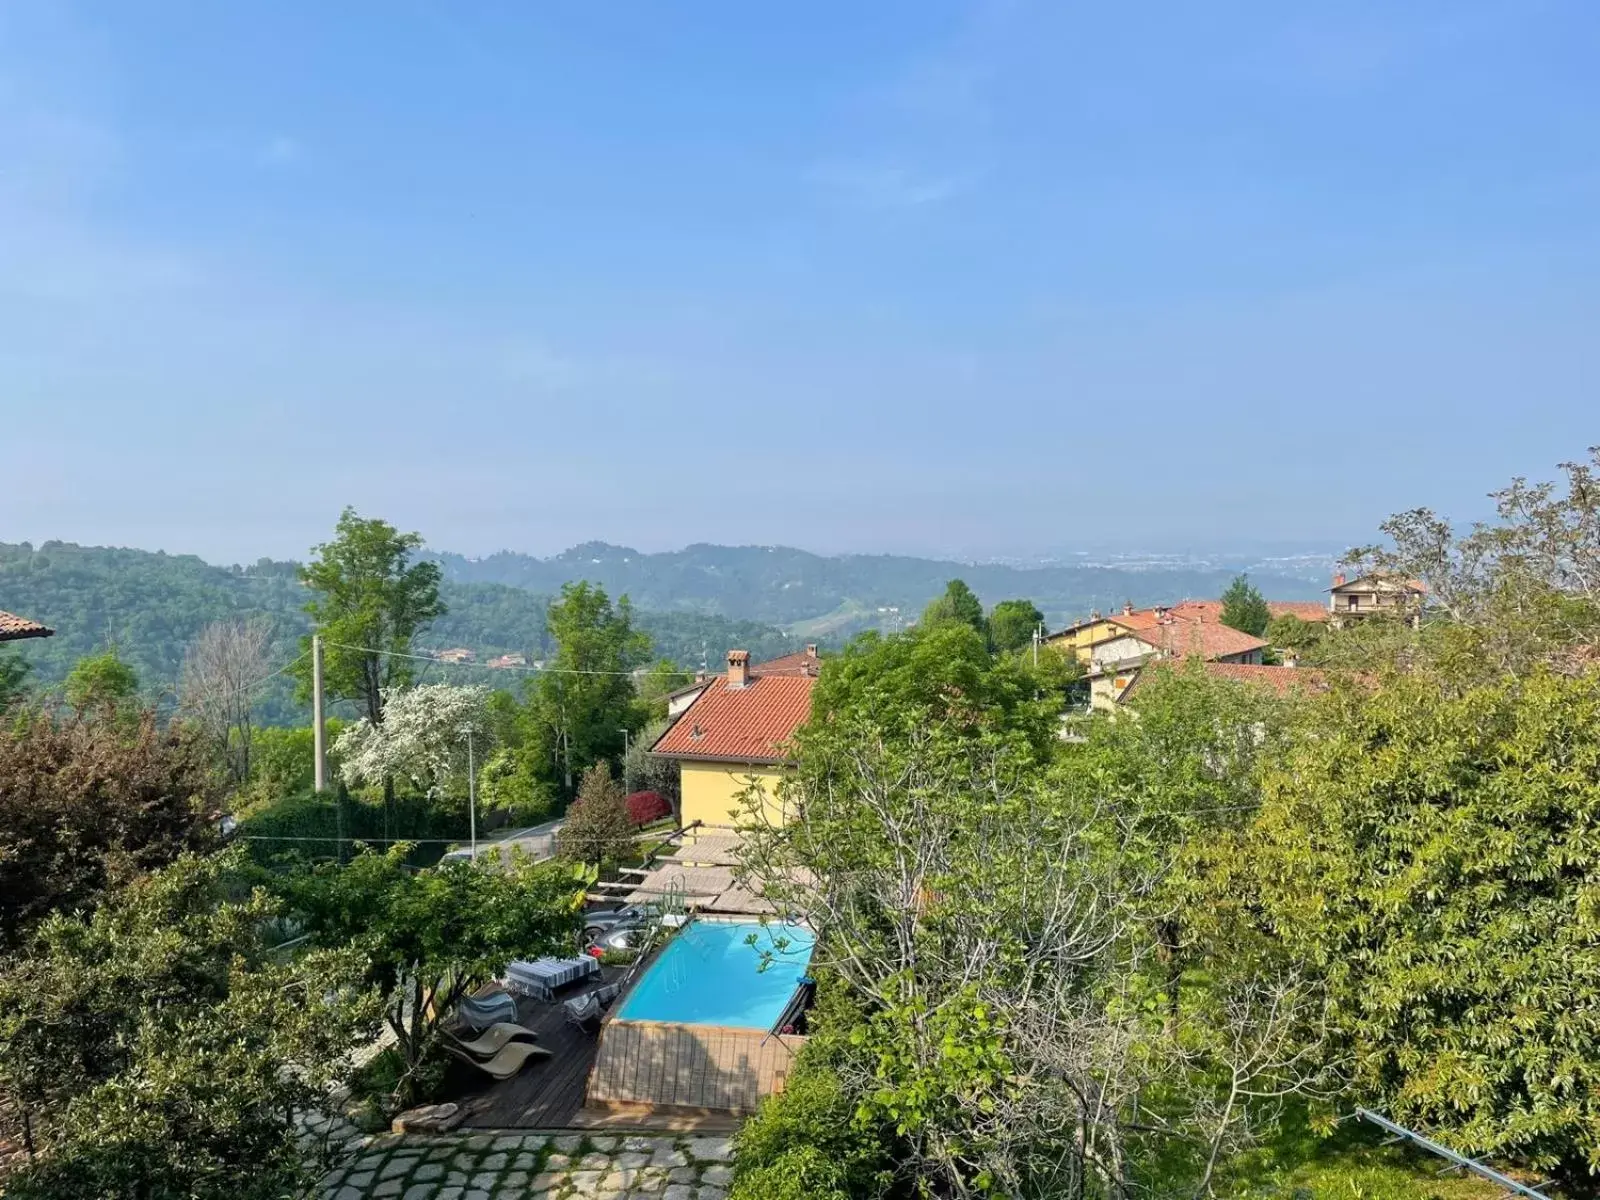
<point>525,1166</point>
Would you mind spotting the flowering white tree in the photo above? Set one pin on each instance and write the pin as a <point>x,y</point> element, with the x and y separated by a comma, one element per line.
<point>423,737</point>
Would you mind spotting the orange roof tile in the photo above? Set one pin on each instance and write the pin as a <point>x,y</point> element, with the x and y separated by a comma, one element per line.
<point>749,724</point>
<point>1306,610</point>
<point>801,662</point>
<point>1181,638</point>
<point>13,628</point>
<point>1201,610</point>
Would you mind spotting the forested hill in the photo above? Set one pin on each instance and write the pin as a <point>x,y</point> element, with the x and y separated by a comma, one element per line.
<point>151,605</point>
<point>695,603</point>
<point>815,594</point>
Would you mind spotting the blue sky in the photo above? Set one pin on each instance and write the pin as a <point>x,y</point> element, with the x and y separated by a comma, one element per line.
<point>989,277</point>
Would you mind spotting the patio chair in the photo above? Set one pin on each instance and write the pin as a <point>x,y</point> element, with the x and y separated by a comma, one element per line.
<point>494,1039</point>
<point>479,1012</point>
<point>511,1059</point>
<point>584,1011</point>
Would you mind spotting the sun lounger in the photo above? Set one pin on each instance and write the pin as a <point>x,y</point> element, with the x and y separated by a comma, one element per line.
<point>494,1039</point>
<point>480,1012</point>
<point>511,1059</point>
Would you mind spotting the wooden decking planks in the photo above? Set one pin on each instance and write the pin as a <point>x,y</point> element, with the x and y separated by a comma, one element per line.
<point>545,1094</point>
<point>689,1066</point>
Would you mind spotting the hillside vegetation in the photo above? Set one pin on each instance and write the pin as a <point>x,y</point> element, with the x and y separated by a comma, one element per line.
<point>151,605</point>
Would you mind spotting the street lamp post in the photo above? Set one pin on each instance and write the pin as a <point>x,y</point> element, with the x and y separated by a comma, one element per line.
<point>472,795</point>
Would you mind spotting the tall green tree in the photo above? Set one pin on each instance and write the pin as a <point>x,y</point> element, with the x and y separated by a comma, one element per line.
<point>429,938</point>
<point>581,706</point>
<point>1430,853</point>
<point>992,915</point>
<point>1012,623</point>
<point>101,683</point>
<point>369,601</point>
<point>956,604</point>
<point>1244,609</point>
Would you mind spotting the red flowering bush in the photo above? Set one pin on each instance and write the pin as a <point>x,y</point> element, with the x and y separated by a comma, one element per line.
<point>644,807</point>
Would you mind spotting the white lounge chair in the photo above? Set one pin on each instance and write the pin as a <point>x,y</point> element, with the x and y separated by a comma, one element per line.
<point>494,1039</point>
<point>507,1063</point>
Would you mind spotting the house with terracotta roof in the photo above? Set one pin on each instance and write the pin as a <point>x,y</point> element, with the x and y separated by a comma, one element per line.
<point>736,733</point>
<point>801,662</point>
<point>14,628</point>
<point>1083,636</point>
<point>1182,632</point>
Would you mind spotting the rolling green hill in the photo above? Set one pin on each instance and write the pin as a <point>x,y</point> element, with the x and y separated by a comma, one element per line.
<point>151,605</point>
<point>696,603</point>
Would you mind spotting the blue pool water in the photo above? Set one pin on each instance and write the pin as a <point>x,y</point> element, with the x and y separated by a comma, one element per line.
<point>708,975</point>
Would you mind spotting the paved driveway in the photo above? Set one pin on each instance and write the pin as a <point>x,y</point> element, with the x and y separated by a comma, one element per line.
<point>558,1166</point>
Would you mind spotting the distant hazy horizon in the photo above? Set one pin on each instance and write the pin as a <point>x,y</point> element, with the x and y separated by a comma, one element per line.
<point>1233,550</point>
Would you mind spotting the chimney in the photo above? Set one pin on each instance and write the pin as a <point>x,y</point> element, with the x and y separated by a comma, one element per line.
<point>738,668</point>
<point>1127,608</point>
<point>1338,580</point>
<point>811,649</point>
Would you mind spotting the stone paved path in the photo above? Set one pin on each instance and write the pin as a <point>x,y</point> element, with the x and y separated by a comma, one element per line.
<point>517,1166</point>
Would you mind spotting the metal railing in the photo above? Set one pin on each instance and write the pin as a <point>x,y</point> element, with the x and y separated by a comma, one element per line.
<point>1401,1133</point>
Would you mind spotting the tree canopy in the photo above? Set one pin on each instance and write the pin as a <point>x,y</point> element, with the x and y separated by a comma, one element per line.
<point>430,937</point>
<point>146,1046</point>
<point>369,601</point>
<point>1012,624</point>
<point>100,683</point>
<point>423,737</point>
<point>1244,609</point>
<point>578,709</point>
<point>598,829</point>
<point>85,805</point>
<point>956,604</point>
<point>1428,855</point>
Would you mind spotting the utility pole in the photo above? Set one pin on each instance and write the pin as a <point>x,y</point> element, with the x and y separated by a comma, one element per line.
<point>1038,631</point>
<point>472,796</point>
<point>318,732</point>
<point>625,744</point>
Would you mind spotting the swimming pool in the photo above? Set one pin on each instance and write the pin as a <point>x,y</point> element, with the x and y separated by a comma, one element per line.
<point>708,975</point>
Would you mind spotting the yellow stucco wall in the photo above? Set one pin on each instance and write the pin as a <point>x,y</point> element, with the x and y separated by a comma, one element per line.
<point>1082,638</point>
<point>711,792</point>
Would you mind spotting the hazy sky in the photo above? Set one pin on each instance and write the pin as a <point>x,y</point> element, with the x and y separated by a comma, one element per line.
<point>921,276</point>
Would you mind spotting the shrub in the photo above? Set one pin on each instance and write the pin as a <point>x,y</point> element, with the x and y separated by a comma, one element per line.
<point>85,804</point>
<point>803,1173</point>
<point>645,807</point>
<point>598,829</point>
<point>1433,856</point>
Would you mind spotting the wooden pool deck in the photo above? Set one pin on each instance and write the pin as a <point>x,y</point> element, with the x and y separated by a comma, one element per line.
<point>714,1068</point>
<point>547,1094</point>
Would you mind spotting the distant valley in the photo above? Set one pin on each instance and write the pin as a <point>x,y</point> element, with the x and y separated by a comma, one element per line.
<point>695,603</point>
